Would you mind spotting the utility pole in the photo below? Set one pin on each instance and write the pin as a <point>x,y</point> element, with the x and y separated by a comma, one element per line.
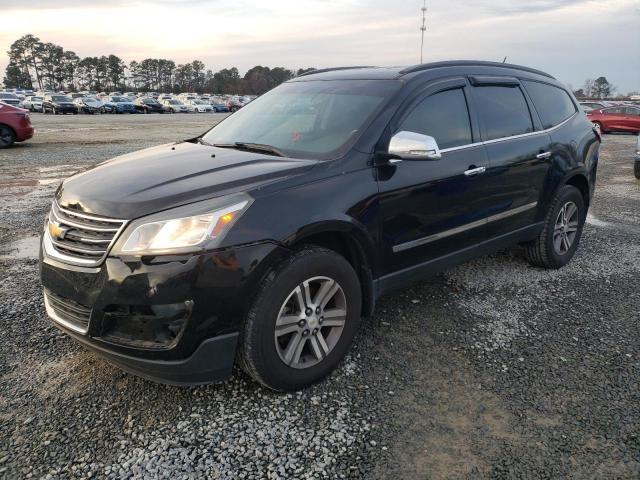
<point>423,28</point>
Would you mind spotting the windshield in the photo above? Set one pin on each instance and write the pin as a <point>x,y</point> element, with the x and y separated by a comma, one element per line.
<point>174,102</point>
<point>310,119</point>
<point>60,98</point>
<point>149,101</point>
<point>119,99</point>
<point>7,95</point>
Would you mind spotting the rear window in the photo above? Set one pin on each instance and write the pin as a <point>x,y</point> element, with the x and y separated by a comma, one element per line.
<point>503,110</point>
<point>444,116</point>
<point>553,104</point>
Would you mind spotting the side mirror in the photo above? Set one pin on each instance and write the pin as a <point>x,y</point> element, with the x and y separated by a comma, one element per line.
<point>414,146</point>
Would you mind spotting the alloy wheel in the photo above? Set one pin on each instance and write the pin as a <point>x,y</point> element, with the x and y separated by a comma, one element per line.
<point>566,228</point>
<point>310,322</point>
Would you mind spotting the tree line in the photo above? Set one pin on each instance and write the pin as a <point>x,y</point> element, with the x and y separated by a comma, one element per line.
<point>599,88</point>
<point>38,65</point>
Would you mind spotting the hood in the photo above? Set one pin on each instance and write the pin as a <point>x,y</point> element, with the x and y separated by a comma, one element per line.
<point>158,178</point>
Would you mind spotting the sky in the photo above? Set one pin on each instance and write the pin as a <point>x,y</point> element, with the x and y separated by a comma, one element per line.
<point>570,39</point>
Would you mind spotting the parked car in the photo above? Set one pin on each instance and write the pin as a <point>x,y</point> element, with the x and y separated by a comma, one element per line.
<point>218,104</point>
<point>199,106</point>
<point>636,163</point>
<point>118,104</point>
<point>32,103</point>
<point>148,105</point>
<point>174,106</point>
<point>616,119</point>
<point>588,106</point>
<point>9,98</point>
<point>270,236</point>
<point>15,125</point>
<point>58,104</point>
<point>87,104</point>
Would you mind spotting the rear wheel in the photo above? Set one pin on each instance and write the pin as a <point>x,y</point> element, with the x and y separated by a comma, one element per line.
<point>7,137</point>
<point>557,243</point>
<point>302,320</point>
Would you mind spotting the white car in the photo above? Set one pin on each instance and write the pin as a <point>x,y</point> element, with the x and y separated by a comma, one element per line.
<point>200,106</point>
<point>32,103</point>
<point>175,106</point>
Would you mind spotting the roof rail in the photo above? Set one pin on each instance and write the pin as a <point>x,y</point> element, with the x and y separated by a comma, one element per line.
<point>333,69</point>
<point>468,63</point>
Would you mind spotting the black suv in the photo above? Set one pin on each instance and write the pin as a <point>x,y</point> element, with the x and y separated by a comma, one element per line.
<point>267,238</point>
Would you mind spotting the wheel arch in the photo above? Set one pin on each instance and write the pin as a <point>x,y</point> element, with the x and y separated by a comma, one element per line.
<point>13,130</point>
<point>348,240</point>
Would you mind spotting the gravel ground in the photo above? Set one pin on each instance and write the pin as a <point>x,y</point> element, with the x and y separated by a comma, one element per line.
<point>491,370</point>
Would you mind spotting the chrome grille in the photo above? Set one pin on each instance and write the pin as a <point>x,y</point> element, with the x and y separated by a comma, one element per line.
<point>80,238</point>
<point>67,312</point>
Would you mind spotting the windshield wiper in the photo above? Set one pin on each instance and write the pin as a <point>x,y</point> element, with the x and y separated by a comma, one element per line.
<point>252,147</point>
<point>202,142</point>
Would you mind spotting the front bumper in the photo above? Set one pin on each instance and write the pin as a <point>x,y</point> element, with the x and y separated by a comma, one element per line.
<point>24,133</point>
<point>129,309</point>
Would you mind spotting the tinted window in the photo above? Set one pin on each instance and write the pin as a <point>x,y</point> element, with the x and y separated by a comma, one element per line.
<point>503,110</point>
<point>614,111</point>
<point>553,104</point>
<point>633,111</point>
<point>444,116</point>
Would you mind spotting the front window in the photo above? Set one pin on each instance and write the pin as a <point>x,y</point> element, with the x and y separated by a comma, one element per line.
<point>309,119</point>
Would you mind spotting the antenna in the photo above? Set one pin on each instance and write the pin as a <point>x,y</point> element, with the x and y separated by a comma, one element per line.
<point>423,28</point>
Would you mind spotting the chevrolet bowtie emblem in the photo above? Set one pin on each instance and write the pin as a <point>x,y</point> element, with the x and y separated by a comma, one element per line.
<point>57,231</point>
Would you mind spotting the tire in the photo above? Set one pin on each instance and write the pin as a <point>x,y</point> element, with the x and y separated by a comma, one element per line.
<point>54,111</point>
<point>7,136</point>
<point>549,250</point>
<point>262,353</point>
<point>636,169</point>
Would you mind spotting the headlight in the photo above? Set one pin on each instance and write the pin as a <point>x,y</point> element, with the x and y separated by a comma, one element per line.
<point>180,234</point>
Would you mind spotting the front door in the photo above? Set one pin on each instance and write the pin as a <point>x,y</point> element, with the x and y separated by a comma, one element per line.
<point>425,204</point>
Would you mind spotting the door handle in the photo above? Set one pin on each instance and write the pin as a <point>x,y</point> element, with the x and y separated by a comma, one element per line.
<point>543,155</point>
<point>475,171</point>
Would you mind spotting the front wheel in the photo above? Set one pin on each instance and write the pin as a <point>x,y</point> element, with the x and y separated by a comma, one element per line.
<point>558,241</point>
<point>302,320</point>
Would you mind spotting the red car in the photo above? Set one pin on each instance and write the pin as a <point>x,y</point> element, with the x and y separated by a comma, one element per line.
<point>622,118</point>
<point>15,125</point>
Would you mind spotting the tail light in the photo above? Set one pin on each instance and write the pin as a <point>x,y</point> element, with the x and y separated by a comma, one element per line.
<point>598,133</point>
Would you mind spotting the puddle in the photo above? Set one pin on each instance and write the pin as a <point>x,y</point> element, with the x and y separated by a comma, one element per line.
<point>21,249</point>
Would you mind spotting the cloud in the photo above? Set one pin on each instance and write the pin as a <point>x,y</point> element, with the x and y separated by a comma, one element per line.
<point>552,35</point>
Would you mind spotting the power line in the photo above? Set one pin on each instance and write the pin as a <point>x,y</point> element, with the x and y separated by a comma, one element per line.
<point>423,28</point>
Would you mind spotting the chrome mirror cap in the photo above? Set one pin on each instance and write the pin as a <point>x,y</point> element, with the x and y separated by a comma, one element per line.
<point>414,146</point>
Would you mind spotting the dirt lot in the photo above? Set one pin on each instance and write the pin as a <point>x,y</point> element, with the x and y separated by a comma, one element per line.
<point>494,369</point>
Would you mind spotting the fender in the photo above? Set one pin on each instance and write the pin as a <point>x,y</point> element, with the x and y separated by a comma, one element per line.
<point>360,244</point>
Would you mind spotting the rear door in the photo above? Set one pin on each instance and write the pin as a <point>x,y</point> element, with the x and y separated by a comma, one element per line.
<point>614,118</point>
<point>632,119</point>
<point>519,153</point>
